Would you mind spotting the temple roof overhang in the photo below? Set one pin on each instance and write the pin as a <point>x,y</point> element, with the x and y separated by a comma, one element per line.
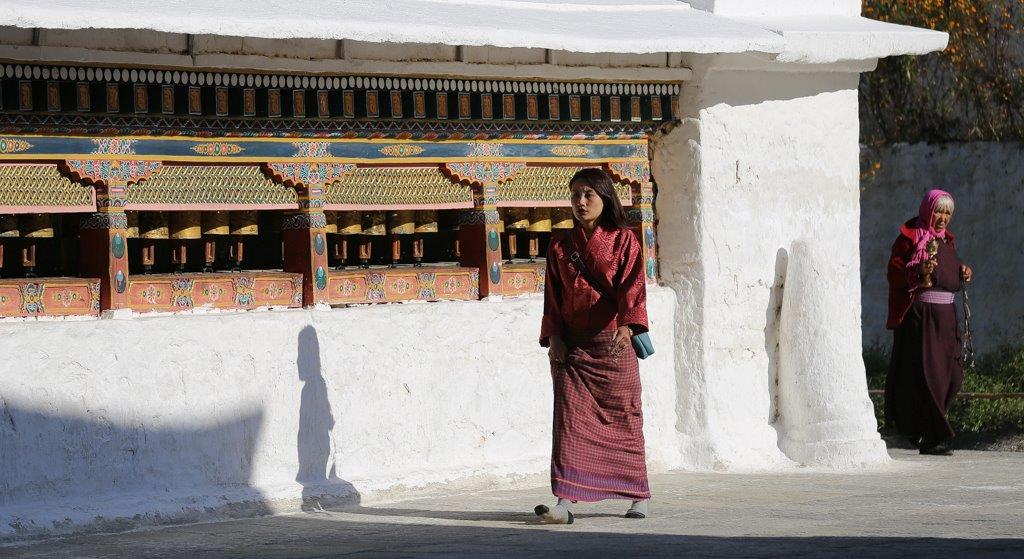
<point>581,26</point>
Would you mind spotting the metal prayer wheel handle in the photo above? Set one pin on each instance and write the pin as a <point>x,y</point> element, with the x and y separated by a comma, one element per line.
<point>517,220</point>
<point>426,223</point>
<point>374,225</point>
<point>932,248</point>
<point>214,224</point>
<point>185,227</point>
<point>400,223</point>
<point>540,222</point>
<point>243,224</point>
<point>33,226</point>
<point>28,259</point>
<point>153,226</point>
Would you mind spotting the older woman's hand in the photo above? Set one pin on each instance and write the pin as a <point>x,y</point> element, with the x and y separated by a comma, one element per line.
<point>621,341</point>
<point>966,272</point>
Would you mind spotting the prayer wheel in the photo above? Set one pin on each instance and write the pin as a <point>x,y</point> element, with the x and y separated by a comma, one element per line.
<point>215,224</point>
<point>400,223</point>
<point>516,221</point>
<point>133,224</point>
<point>426,222</point>
<point>8,230</point>
<point>33,226</point>
<point>540,222</point>
<point>374,225</point>
<point>448,221</point>
<point>561,218</point>
<point>185,227</point>
<point>348,224</point>
<point>242,224</point>
<point>152,228</point>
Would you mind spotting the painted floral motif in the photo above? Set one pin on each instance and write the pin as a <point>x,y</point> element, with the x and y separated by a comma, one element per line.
<point>428,285</point>
<point>243,291</point>
<point>347,288</point>
<point>639,151</point>
<point>312,149</point>
<point>452,285</point>
<point>518,281</point>
<point>67,297</point>
<point>484,149</point>
<point>400,286</point>
<point>273,290</point>
<point>12,145</point>
<point>401,150</point>
<point>217,149</point>
<point>114,146</point>
<point>309,173</point>
<point>181,293</point>
<point>297,291</point>
<point>32,298</point>
<point>104,171</point>
<point>213,291</point>
<point>632,172</point>
<point>484,172</point>
<point>570,151</point>
<point>375,288</point>
<point>151,294</point>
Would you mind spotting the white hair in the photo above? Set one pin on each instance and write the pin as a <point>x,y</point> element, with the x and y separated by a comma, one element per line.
<point>945,204</point>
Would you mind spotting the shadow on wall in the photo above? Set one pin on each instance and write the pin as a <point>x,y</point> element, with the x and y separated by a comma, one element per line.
<point>320,487</point>
<point>108,471</point>
<point>773,319</point>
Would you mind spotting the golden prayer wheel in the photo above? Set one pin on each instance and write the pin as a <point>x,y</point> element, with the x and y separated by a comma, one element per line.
<point>36,226</point>
<point>400,222</point>
<point>350,223</point>
<point>214,224</point>
<point>33,226</point>
<point>346,224</point>
<point>133,224</point>
<point>540,220</point>
<point>561,218</point>
<point>8,229</point>
<point>426,222</point>
<point>332,222</point>
<point>517,219</point>
<point>153,226</point>
<point>243,224</point>
<point>374,225</point>
<point>185,226</point>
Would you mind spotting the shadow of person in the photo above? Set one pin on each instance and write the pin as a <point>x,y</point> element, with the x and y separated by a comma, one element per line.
<point>316,425</point>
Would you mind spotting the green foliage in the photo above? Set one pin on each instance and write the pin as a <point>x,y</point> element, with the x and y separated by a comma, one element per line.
<point>972,91</point>
<point>1001,371</point>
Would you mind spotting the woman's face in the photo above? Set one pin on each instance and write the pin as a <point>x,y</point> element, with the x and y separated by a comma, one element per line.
<point>940,219</point>
<point>587,205</point>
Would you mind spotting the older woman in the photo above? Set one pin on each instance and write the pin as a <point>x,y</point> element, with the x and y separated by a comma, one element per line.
<point>925,371</point>
<point>594,301</point>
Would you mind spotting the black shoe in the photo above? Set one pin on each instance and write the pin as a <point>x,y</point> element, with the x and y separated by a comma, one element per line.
<point>541,510</point>
<point>634,514</point>
<point>938,449</point>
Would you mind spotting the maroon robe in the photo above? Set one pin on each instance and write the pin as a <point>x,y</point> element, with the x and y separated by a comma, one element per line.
<point>598,441</point>
<point>925,371</point>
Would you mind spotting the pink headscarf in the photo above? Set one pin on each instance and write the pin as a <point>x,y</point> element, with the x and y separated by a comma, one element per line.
<point>923,225</point>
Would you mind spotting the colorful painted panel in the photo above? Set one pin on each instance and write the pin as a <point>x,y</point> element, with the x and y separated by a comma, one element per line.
<point>49,297</point>
<point>522,278</point>
<point>387,285</point>
<point>183,292</point>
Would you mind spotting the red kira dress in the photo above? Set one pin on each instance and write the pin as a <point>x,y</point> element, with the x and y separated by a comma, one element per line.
<point>598,440</point>
<point>925,372</point>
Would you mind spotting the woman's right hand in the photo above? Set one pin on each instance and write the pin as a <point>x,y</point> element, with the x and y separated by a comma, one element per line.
<point>557,350</point>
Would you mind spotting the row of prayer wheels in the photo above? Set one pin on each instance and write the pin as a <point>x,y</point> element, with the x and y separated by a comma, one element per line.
<point>186,226</point>
<point>532,222</point>
<point>29,227</point>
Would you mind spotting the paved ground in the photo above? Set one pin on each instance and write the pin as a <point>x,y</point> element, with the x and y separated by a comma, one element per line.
<point>969,505</point>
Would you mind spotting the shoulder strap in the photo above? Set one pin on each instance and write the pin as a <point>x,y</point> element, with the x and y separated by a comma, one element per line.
<point>577,260</point>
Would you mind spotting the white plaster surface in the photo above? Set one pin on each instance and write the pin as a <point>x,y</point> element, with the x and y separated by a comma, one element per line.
<point>118,423</point>
<point>749,171</point>
<point>668,26</point>
<point>798,31</point>
<point>986,179</point>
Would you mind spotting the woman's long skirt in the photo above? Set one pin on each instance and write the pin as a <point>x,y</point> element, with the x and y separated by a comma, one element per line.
<point>925,373</point>
<point>598,442</point>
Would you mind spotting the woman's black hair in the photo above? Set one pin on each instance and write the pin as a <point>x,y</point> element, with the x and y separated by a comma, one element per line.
<point>613,214</point>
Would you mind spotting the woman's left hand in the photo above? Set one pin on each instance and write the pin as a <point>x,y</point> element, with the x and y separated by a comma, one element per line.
<point>966,272</point>
<point>621,341</point>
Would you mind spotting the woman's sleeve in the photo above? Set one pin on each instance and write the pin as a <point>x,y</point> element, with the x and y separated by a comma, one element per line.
<point>551,324</point>
<point>632,287</point>
<point>901,274</point>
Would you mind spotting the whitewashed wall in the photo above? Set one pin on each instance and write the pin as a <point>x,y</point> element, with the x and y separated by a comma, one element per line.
<point>987,181</point>
<point>765,158</point>
<point>120,423</point>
